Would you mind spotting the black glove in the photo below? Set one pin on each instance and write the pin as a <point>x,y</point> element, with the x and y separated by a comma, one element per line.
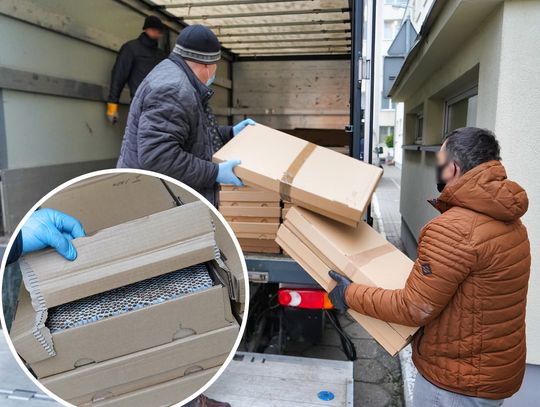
<point>337,295</point>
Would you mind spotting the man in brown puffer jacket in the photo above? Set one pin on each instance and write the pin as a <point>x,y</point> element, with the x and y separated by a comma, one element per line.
<point>468,287</point>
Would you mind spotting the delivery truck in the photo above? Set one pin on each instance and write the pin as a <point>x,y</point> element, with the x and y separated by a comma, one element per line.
<point>303,67</point>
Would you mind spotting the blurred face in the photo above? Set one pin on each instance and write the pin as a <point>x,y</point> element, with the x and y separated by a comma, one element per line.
<point>210,73</point>
<point>447,170</point>
<point>154,33</point>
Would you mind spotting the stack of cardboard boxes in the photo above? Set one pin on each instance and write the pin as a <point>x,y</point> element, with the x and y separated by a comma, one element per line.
<point>254,216</point>
<point>143,315</point>
<point>326,194</point>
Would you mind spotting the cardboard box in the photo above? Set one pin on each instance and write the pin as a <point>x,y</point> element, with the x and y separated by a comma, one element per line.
<point>129,252</point>
<point>307,175</point>
<point>259,249</point>
<point>248,196</point>
<point>258,243</point>
<point>254,227</point>
<point>248,211</point>
<point>149,367</point>
<point>251,219</point>
<point>163,394</point>
<point>122,334</point>
<point>319,244</point>
<point>266,204</point>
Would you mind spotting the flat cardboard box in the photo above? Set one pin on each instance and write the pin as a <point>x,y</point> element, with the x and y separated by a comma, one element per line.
<point>259,249</point>
<point>145,368</point>
<point>258,242</point>
<point>381,331</point>
<point>245,188</point>
<point>362,254</point>
<point>254,227</point>
<point>122,334</point>
<point>264,204</point>
<point>258,212</point>
<point>248,196</point>
<point>251,219</point>
<point>307,175</point>
<point>129,252</point>
<point>163,394</point>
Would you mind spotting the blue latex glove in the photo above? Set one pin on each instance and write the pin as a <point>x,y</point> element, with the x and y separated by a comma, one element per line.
<point>226,173</point>
<point>337,295</point>
<point>48,227</point>
<point>242,125</point>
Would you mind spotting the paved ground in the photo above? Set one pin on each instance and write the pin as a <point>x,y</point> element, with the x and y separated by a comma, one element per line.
<point>378,380</point>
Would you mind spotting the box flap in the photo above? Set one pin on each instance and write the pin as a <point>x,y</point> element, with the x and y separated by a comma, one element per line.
<point>276,161</point>
<point>108,200</point>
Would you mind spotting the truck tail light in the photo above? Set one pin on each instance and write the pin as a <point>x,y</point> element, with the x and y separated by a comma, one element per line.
<point>304,298</point>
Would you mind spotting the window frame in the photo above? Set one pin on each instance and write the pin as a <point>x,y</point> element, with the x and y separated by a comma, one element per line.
<point>449,102</point>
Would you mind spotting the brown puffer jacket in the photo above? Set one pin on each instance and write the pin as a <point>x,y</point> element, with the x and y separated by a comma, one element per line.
<point>467,289</point>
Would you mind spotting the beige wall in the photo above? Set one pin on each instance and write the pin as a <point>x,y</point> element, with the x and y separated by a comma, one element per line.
<point>503,55</point>
<point>517,126</point>
<point>478,59</point>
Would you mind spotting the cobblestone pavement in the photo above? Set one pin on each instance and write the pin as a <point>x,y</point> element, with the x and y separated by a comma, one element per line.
<point>378,379</point>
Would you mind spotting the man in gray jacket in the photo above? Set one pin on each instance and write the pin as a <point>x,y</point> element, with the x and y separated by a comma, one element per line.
<point>171,128</point>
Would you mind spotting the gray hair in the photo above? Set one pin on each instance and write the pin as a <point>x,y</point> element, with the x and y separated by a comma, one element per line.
<point>471,146</point>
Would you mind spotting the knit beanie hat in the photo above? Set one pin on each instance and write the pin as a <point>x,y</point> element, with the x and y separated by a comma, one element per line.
<point>198,43</point>
<point>153,22</point>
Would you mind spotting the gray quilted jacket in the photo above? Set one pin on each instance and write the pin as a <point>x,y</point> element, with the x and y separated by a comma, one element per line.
<point>171,128</point>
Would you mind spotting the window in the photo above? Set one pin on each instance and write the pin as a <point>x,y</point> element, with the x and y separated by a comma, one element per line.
<point>419,129</point>
<point>399,3</point>
<point>391,28</point>
<point>387,103</point>
<point>460,110</point>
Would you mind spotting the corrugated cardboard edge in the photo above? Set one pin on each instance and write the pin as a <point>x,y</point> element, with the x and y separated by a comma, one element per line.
<point>40,332</point>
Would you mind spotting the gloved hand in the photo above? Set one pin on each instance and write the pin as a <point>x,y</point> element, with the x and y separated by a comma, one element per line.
<point>337,295</point>
<point>49,227</point>
<point>112,112</point>
<point>226,173</point>
<point>242,125</point>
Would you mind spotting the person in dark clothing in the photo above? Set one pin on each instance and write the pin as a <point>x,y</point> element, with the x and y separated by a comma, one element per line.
<point>134,61</point>
<point>171,128</point>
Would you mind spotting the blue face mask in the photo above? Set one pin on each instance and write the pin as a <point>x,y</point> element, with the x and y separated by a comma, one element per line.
<point>211,80</point>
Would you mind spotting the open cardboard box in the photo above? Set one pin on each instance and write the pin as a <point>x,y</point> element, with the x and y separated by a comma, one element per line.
<point>320,244</point>
<point>145,368</point>
<point>307,175</point>
<point>109,202</point>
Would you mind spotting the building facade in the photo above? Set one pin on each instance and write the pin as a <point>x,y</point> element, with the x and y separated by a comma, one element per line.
<point>475,64</point>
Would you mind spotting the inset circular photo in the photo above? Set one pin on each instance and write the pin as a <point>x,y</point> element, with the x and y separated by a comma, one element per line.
<point>123,288</point>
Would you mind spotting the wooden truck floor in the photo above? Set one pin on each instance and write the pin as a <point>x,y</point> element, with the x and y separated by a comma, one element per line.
<point>263,380</point>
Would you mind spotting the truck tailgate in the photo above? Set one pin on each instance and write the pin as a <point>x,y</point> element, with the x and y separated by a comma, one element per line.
<point>257,380</point>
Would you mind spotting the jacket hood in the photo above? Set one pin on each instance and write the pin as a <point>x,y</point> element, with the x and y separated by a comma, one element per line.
<point>486,189</point>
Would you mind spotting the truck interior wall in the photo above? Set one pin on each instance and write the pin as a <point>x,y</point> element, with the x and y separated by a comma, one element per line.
<point>294,96</point>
